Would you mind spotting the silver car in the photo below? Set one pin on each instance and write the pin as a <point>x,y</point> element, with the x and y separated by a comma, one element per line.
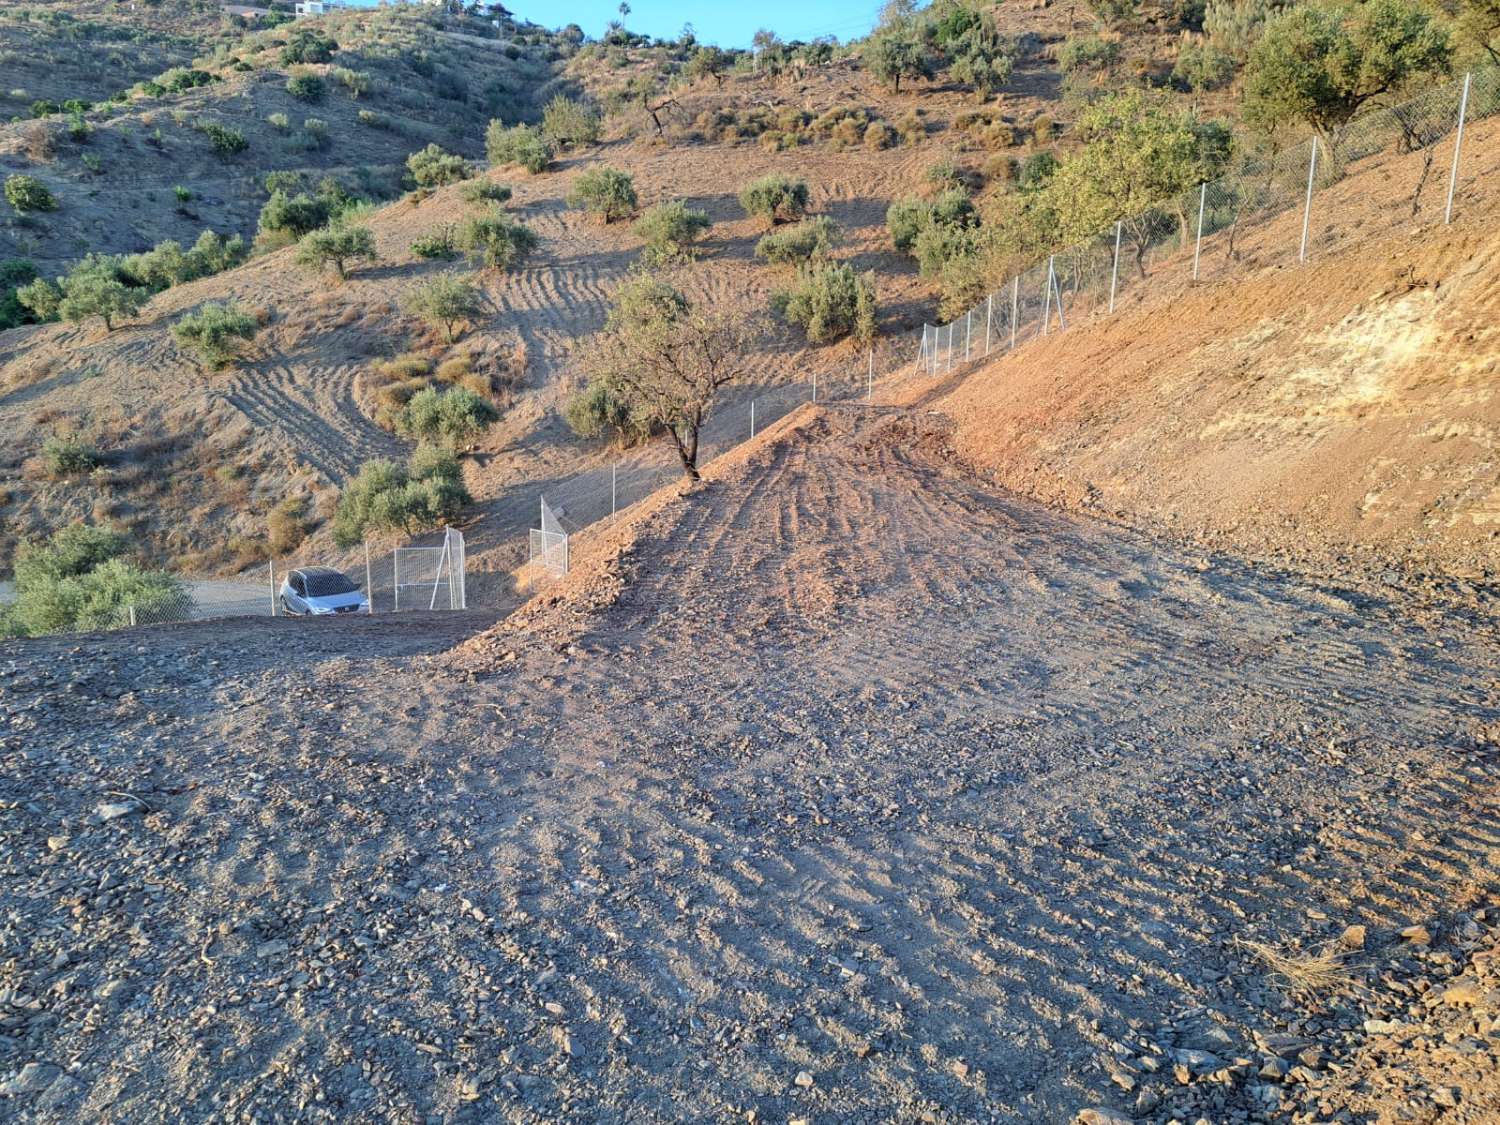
<point>319,591</point>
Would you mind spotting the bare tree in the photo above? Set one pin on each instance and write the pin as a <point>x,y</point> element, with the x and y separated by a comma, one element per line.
<point>665,360</point>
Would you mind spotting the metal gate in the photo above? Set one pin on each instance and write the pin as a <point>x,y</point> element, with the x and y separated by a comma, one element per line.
<point>430,577</point>
<point>549,543</point>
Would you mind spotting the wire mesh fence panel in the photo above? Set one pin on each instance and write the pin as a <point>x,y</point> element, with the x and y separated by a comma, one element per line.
<point>549,543</point>
<point>423,578</point>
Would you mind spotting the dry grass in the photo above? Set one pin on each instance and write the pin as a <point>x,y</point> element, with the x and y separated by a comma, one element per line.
<point>1304,974</point>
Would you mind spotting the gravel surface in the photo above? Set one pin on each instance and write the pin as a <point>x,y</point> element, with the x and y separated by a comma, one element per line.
<point>839,788</point>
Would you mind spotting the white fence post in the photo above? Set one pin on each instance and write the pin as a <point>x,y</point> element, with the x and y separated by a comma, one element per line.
<point>1047,297</point>
<point>968,332</point>
<point>369,585</point>
<point>396,579</point>
<point>1062,321</point>
<point>1015,307</point>
<point>131,608</point>
<point>1458,144</point>
<point>870,377</point>
<point>1198,247</point>
<point>271,563</point>
<point>989,316</point>
<point>1312,167</point>
<point>614,471</point>
<point>1114,273</point>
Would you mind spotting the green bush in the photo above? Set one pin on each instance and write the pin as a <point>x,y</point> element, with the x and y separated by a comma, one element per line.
<point>80,580</point>
<point>520,144</point>
<point>454,418</point>
<point>167,264</point>
<point>484,191</point>
<point>306,86</point>
<point>605,192</point>
<point>829,302</point>
<point>15,274</point>
<point>669,231</point>
<point>225,142</point>
<point>307,45</point>
<point>1202,66</point>
<point>40,298</point>
<point>336,245</point>
<point>279,121</point>
<point>567,122</point>
<point>1088,53</point>
<point>95,286</point>
<point>497,241</point>
<point>215,332</point>
<point>68,457</point>
<point>800,242</point>
<point>27,194</point>
<point>293,215</point>
<point>445,300</point>
<point>357,82</point>
<point>386,496</point>
<point>602,408</point>
<point>775,198</point>
<point>433,167</point>
<point>441,243</point>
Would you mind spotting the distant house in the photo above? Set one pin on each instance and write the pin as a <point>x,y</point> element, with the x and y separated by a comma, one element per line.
<point>318,7</point>
<point>245,12</point>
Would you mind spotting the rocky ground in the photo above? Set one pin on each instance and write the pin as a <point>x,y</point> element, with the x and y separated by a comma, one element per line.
<point>839,788</point>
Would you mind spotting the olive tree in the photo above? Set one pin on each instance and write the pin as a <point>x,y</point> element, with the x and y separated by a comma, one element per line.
<point>446,300</point>
<point>1320,63</point>
<point>665,360</point>
<point>605,192</point>
<point>336,245</point>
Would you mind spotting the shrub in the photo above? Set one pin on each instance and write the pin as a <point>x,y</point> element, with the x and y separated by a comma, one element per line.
<point>602,408</point>
<point>497,241</point>
<point>306,86</point>
<point>286,525</point>
<point>1036,170</point>
<point>440,243</point>
<point>307,45</point>
<point>800,242</point>
<point>357,82</point>
<point>520,144</point>
<point>605,192</point>
<point>433,167</point>
<point>455,417</point>
<point>40,298</point>
<point>166,264</point>
<point>1202,66</point>
<point>80,580</point>
<point>386,496</point>
<point>775,198</point>
<point>225,142</point>
<point>293,215</point>
<point>944,174</point>
<point>446,301</point>
<point>27,194</point>
<point>904,219</point>
<point>568,121</point>
<point>15,274</point>
<point>280,122</point>
<point>1091,53</point>
<point>481,191</point>
<point>68,457</point>
<point>828,302</point>
<point>669,231</point>
<point>94,287</point>
<point>336,245</point>
<point>215,332</point>
<point>879,134</point>
<point>374,120</point>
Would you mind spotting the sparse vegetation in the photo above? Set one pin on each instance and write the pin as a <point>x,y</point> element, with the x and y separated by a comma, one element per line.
<point>67,456</point>
<point>829,302</point>
<point>216,332</point>
<point>484,191</point>
<point>606,193</point>
<point>567,122</point>
<point>433,167</point>
<point>441,243</point>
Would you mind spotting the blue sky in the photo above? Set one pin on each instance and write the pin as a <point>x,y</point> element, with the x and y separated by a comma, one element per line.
<point>728,25</point>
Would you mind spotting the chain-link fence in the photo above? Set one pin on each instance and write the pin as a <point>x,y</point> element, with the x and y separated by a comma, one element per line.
<point>1293,203</point>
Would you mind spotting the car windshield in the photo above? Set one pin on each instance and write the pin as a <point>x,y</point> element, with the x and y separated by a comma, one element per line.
<point>324,585</point>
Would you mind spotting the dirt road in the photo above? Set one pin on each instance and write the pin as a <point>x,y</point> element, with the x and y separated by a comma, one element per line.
<point>848,791</point>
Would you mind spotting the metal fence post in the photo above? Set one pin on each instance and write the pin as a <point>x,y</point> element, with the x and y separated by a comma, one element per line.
<point>870,377</point>
<point>1458,144</point>
<point>1312,167</point>
<point>131,608</point>
<point>1047,297</point>
<point>271,563</point>
<point>614,471</point>
<point>752,417</point>
<point>369,585</point>
<point>989,316</point>
<point>950,345</point>
<point>1015,307</point>
<point>1062,321</point>
<point>1114,273</point>
<point>1198,247</point>
<point>396,579</point>
<point>968,332</point>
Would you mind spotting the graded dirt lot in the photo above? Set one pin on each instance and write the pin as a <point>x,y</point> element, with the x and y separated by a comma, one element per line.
<point>840,788</point>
